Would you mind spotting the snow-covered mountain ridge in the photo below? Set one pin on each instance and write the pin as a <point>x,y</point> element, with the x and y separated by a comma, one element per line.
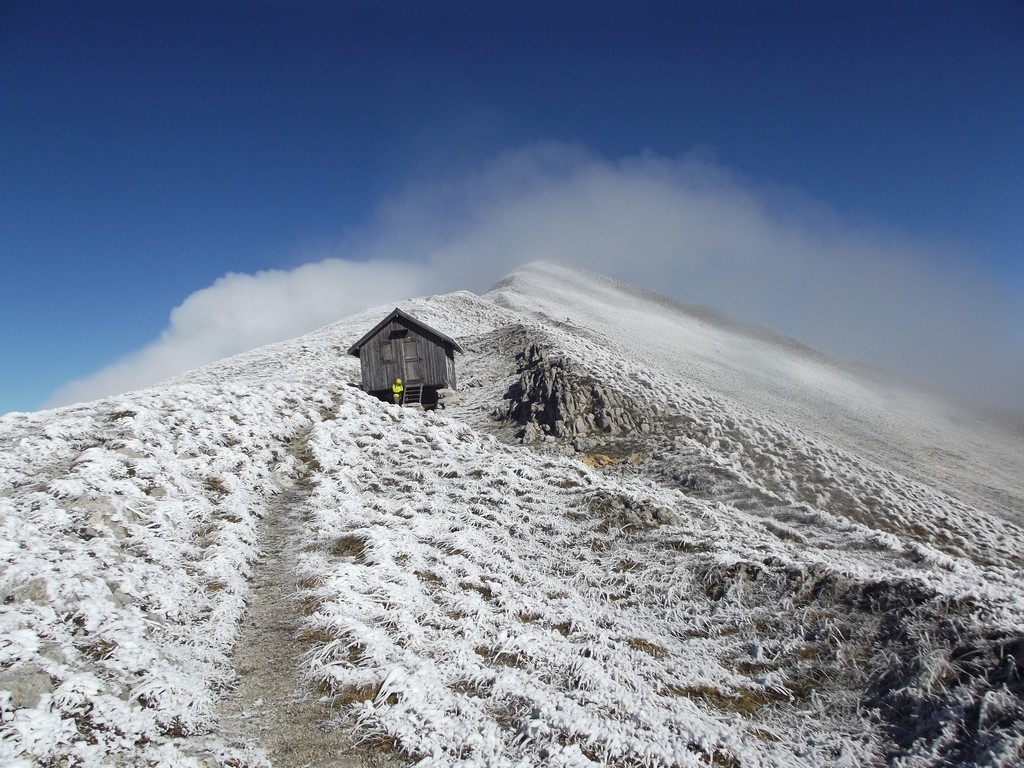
<point>772,562</point>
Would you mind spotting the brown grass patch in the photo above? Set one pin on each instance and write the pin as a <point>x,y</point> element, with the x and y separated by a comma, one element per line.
<point>311,582</point>
<point>350,694</point>
<point>503,658</point>
<point>215,485</point>
<point>482,589</point>
<point>742,701</point>
<point>350,546</point>
<point>564,628</point>
<point>316,635</point>
<point>646,646</point>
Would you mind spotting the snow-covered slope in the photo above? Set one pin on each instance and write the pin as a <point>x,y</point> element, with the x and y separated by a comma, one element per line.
<point>772,377</point>
<point>767,558</point>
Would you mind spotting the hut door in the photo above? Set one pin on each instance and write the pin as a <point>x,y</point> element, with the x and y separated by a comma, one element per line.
<point>411,360</point>
<point>390,362</point>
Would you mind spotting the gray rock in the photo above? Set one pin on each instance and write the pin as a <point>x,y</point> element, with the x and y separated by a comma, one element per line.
<point>33,591</point>
<point>552,397</point>
<point>26,684</point>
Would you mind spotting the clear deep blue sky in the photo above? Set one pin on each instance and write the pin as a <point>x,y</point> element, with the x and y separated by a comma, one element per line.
<point>147,148</point>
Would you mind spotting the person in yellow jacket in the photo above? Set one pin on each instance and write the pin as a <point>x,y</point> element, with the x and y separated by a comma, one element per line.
<point>396,391</point>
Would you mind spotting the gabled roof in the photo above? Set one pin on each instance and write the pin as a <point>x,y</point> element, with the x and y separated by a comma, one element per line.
<point>354,349</point>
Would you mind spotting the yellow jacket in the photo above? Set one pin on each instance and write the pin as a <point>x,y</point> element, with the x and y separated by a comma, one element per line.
<point>397,388</point>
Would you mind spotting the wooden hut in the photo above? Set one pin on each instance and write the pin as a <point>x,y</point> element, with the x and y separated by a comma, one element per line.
<point>402,347</point>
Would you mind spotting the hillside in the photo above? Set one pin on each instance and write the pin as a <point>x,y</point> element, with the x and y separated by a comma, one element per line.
<point>767,558</point>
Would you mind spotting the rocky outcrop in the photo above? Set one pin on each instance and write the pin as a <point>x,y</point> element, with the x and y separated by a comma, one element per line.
<point>556,397</point>
<point>631,510</point>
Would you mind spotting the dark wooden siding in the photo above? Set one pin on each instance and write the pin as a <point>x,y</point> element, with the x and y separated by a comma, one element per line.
<point>402,350</point>
<point>449,361</point>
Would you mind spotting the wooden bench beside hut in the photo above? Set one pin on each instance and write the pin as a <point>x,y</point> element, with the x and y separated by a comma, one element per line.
<point>402,347</point>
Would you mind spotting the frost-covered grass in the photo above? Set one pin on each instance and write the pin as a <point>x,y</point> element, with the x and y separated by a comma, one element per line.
<point>789,570</point>
<point>483,605</point>
<point>129,527</point>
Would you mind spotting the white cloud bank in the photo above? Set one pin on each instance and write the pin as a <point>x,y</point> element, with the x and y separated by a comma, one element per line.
<point>685,227</point>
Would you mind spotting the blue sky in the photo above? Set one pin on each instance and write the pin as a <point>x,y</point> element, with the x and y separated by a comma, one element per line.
<point>149,150</point>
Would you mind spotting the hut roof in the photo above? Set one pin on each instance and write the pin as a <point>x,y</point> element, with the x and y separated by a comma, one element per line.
<point>354,349</point>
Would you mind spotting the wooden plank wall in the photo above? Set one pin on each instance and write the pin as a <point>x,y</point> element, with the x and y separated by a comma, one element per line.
<point>437,368</point>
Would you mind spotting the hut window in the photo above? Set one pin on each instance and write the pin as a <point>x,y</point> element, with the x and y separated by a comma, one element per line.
<point>399,333</point>
<point>387,352</point>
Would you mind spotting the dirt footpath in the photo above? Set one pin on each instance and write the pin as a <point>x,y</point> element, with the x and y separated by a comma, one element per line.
<point>270,708</point>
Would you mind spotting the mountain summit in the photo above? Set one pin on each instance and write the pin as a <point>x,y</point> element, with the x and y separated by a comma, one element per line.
<point>648,535</point>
